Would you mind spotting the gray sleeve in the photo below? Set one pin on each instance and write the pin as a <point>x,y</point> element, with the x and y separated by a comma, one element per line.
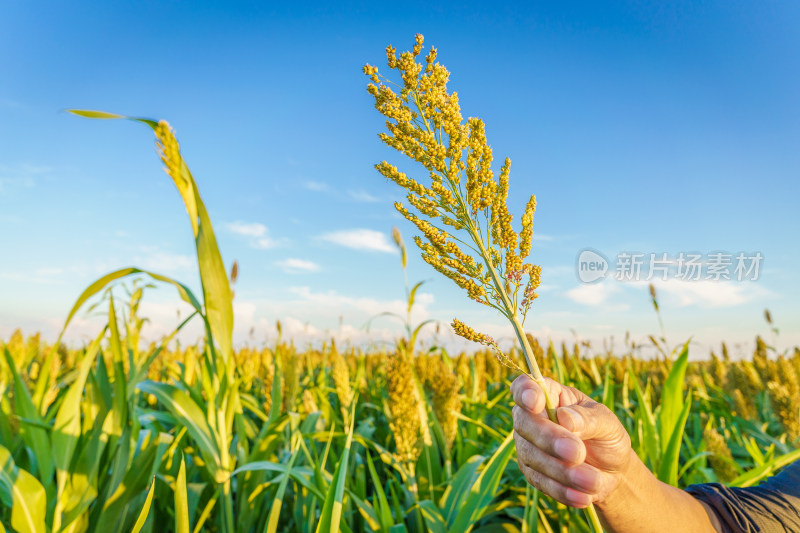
<point>771,507</point>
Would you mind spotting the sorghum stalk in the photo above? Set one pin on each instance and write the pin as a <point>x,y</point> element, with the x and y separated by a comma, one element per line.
<point>424,122</point>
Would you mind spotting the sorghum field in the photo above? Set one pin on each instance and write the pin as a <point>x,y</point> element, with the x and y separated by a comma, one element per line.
<point>111,437</point>
<point>121,436</point>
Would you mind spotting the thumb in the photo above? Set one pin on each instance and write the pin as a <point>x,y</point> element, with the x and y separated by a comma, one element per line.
<point>588,421</point>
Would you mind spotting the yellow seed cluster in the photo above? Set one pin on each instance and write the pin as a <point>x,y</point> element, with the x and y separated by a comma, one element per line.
<point>309,403</point>
<point>784,394</point>
<point>745,383</point>
<point>405,422</point>
<point>168,149</point>
<point>721,459</point>
<point>424,122</point>
<point>446,400</point>
<point>463,330</point>
<point>341,382</point>
<point>526,236</point>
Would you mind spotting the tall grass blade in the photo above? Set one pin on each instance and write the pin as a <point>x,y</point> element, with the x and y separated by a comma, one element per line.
<point>331,516</point>
<point>191,416</point>
<point>181,501</point>
<point>672,397</point>
<point>137,527</point>
<point>277,502</point>
<point>37,438</point>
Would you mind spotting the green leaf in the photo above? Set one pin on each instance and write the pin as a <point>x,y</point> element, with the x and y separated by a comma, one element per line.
<point>332,509</point>
<point>137,527</point>
<point>412,294</point>
<point>381,504</point>
<point>474,503</point>
<point>608,388</point>
<point>433,517</point>
<point>668,470</point>
<point>461,483</point>
<point>216,287</point>
<point>100,284</point>
<point>189,415</point>
<point>757,474</point>
<point>36,438</point>
<point>503,527</point>
<point>301,474</point>
<point>142,469</point>
<point>277,502</point>
<point>367,512</point>
<point>67,428</point>
<point>672,398</point>
<point>647,420</point>
<point>93,114</point>
<point>26,494</point>
<point>181,501</point>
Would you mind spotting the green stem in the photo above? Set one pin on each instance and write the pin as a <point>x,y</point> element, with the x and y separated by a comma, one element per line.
<point>530,359</point>
<point>594,520</point>
<point>227,506</point>
<point>511,314</point>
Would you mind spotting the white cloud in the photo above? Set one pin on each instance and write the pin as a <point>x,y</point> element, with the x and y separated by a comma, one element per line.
<point>593,295</point>
<point>22,176</point>
<point>316,186</point>
<point>264,244</point>
<point>362,196</point>
<point>48,271</point>
<point>709,293</point>
<point>161,261</point>
<point>310,317</point>
<point>331,302</point>
<point>258,234</point>
<point>542,237</point>
<point>251,229</point>
<point>361,239</point>
<point>293,266</point>
<point>25,277</point>
<point>294,327</point>
<point>303,332</point>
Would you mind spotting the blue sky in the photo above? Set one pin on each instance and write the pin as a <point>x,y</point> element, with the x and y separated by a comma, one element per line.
<point>649,127</point>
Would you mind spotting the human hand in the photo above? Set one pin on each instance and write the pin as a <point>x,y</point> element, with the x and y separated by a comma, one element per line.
<point>580,460</point>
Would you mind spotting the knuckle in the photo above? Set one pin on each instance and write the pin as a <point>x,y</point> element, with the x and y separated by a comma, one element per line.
<point>535,478</point>
<point>526,452</point>
<point>546,485</point>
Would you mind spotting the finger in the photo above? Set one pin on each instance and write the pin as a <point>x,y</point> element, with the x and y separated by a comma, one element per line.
<point>548,436</point>
<point>582,477</point>
<point>554,489</point>
<point>590,420</point>
<point>529,394</point>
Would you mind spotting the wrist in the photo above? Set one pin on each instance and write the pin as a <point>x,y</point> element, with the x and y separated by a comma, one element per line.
<point>628,487</point>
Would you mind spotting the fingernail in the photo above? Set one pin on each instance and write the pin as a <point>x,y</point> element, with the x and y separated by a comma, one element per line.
<point>584,478</point>
<point>577,499</point>
<point>528,399</point>
<point>567,449</point>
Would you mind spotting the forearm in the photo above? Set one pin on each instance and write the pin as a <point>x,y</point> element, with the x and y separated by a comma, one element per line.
<point>643,503</point>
